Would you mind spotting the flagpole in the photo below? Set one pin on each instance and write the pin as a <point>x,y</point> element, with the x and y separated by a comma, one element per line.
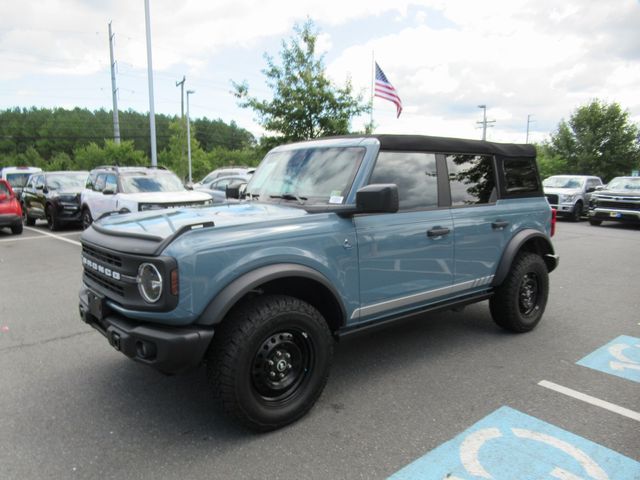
<point>373,77</point>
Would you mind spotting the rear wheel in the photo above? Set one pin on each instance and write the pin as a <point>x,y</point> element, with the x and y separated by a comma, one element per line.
<point>518,304</point>
<point>270,361</point>
<point>16,229</point>
<point>27,220</point>
<point>87,220</point>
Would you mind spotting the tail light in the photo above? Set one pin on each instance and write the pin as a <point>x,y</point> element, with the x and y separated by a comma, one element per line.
<point>554,215</point>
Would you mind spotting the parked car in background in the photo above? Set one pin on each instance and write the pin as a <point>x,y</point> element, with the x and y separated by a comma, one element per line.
<point>218,187</point>
<point>10,211</point>
<point>569,194</point>
<point>54,196</point>
<point>619,201</point>
<point>223,172</point>
<point>133,189</point>
<point>18,177</point>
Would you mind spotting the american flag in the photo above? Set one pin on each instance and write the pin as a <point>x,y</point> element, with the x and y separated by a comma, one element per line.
<point>385,90</point>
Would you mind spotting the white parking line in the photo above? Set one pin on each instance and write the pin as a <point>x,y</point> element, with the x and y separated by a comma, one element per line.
<point>31,229</point>
<point>612,407</point>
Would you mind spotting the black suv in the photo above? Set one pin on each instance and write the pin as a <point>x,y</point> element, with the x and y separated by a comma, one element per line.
<point>54,196</point>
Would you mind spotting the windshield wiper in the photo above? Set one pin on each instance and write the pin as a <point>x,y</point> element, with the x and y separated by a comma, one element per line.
<point>290,196</point>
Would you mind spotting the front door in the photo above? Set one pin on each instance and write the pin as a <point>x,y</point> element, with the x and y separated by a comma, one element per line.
<point>405,258</point>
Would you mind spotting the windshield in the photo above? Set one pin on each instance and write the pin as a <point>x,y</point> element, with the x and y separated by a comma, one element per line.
<point>318,175</point>
<point>621,183</point>
<point>18,179</point>
<point>67,181</point>
<point>153,181</point>
<point>563,182</point>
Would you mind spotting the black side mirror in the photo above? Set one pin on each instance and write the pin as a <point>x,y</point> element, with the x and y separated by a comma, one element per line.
<point>235,190</point>
<point>591,189</point>
<point>39,187</point>
<point>378,198</point>
<point>108,191</point>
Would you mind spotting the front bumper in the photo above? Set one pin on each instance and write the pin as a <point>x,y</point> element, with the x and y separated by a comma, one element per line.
<point>615,215</point>
<point>168,349</point>
<point>563,209</point>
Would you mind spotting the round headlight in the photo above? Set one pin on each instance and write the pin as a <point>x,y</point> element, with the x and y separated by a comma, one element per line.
<point>149,282</point>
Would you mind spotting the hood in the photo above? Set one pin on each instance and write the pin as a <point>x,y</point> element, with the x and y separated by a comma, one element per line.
<point>562,191</point>
<point>161,224</point>
<point>618,193</point>
<point>167,197</point>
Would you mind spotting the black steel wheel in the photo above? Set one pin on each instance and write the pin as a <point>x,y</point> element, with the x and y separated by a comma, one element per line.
<point>269,361</point>
<point>87,220</point>
<point>518,304</point>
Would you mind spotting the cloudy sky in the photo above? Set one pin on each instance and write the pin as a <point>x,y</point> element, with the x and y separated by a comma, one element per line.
<point>541,58</point>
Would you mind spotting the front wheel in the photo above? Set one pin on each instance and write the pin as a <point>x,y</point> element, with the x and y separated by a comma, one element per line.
<point>576,214</point>
<point>87,220</point>
<point>27,220</point>
<point>594,222</point>
<point>518,304</point>
<point>52,220</point>
<point>270,360</point>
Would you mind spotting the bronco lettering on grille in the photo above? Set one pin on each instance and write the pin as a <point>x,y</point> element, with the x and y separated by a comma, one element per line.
<point>107,272</point>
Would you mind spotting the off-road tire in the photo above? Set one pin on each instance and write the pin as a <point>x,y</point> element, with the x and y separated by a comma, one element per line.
<point>52,220</point>
<point>86,218</point>
<point>266,330</point>
<point>576,213</point>
<point>16,229</point>
<point>518,304</point>
<point>595,223</point>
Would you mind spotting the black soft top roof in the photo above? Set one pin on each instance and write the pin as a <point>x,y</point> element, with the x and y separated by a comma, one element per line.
<point>452,145</point>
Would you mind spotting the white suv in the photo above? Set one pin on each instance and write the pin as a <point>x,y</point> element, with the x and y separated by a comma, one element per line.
<point>133,189</point>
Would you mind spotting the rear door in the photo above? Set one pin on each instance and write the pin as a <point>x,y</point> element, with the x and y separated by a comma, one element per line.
<point>405,258</point>
<point>481,223</point>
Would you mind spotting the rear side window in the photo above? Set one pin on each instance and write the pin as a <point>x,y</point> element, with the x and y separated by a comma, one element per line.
<point>413,173</point>
<point>472,179</point>
<point>520,176</point>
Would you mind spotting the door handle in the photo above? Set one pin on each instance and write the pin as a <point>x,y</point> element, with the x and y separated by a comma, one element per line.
<point>437,232</point>
<point>499,224</point>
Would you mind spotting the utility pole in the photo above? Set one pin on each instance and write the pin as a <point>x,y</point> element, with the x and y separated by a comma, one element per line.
<point>181,96</point>
<point>152,113</point>
<point>484,121</point>
<point>528,122</point>
<point>189,92</point>
<point>114,92</point>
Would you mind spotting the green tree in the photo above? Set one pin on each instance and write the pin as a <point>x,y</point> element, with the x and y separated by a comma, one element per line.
<point>305,103</point>
<point>549,163</point>
<point>598,140</point>
<point>93,155</point>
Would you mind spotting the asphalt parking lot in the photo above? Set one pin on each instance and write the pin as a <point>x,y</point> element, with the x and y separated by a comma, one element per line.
<point>72,407</point>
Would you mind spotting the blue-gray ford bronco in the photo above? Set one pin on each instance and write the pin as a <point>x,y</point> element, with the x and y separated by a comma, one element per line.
<point>332,236</point>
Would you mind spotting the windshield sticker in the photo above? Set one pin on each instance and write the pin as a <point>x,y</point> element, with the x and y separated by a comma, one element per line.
<point>335,199</point>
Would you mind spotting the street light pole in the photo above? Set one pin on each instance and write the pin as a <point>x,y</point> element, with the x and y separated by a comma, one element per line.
<point>152,113</point>
<point>189,92</point>
<point>484,121</point>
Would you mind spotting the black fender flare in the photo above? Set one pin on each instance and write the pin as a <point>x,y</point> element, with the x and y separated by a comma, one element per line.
<point>228,297</point>
<point>542,244</point>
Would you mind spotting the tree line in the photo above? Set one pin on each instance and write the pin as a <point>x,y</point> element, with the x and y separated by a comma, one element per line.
<point>80,139</point>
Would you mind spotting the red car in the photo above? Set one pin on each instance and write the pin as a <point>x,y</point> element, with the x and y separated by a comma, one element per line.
<point>10,210</point>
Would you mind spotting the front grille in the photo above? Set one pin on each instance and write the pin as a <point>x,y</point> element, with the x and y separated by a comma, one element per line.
<point>108,284</point>
<point>552,199</point>
<point>102,256</point>
<point>618,205</point>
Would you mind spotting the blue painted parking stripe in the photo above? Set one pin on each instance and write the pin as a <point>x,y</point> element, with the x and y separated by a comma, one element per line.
<point>508,445</point>
<point>619,357</point>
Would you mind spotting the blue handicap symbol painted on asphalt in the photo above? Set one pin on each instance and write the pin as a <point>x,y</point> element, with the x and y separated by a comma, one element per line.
<point>620,357</point>
<point>509,445</point>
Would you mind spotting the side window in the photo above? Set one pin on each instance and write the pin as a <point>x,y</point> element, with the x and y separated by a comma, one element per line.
<point>3,188</point>
<point>40,181</point>
<point>100,182</point>
<point>472,179</point>
<point>413,173</point>
<point>91,181</point>
<point>221,185</point>
<point>520,176</point>
<point>32,182</point>
<point>111,183</point>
